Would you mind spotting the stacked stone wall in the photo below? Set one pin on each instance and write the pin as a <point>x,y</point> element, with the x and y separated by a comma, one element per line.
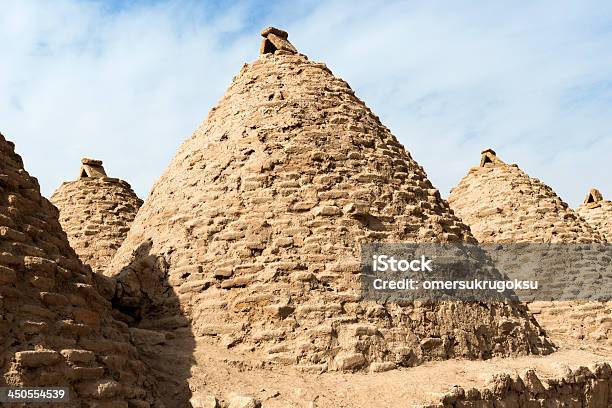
<point>581,322</point>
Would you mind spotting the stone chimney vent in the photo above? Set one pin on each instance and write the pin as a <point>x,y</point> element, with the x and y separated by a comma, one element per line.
<point>489,157</point>
<point>593,198</point>
<point>276,42</point>
<point>91,168</point>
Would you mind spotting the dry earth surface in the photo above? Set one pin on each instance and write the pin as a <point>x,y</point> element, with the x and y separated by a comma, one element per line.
<point>220,370</point>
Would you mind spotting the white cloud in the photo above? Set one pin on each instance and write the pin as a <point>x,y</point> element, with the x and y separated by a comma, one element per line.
<point>533,82</point>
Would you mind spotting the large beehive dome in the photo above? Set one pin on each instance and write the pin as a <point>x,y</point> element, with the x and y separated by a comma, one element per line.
<point>96,212</point>
<point>598,213</point>
<point>56,329</point>
<point>501,203</point>
<point>260,215</point>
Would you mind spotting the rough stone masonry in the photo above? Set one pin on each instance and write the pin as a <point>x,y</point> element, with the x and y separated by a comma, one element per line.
<point>96,212</point>
<point>258,221</point>
<point>582,387</point>
<point>253,233</point>
<point>501,203</point>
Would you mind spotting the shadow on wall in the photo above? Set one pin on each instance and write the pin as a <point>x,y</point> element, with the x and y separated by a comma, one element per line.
<point>145,301</point>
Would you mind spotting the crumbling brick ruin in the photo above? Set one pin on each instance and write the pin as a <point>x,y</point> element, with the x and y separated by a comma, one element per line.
<point>580,387</point>
<point>259,218</point>
<point>56,325</point>
<point>501,203</point>
<point>96,212</point>
<point>598,213</point>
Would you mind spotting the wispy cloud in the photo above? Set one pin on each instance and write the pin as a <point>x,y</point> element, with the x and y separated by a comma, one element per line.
<point>128,84</point>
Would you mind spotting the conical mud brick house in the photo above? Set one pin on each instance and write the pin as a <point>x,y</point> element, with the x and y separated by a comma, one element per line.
<point>56,326</point>
<point>598,213</point>
<point>258,220</point>
<point>503,204</point>
<point>96,212</point>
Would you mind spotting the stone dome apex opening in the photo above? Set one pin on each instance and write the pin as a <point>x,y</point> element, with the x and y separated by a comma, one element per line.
<point>489,157</point>
<point>91,168</point>
<point>593,197</point>
<point>276,42</point>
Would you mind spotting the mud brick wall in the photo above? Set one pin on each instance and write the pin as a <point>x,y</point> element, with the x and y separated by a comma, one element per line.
<point>96,214</point>
<point>259,218</point>
<point>582,387</point>
<point>56,329</point>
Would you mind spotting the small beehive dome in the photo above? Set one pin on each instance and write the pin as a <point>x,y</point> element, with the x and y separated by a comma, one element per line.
<point>501,203</point>
<point>96,212</point>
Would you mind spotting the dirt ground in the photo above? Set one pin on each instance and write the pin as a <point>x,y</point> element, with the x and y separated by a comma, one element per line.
<point>221,372</point>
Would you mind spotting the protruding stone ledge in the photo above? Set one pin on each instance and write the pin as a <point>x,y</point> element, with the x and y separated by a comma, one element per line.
<point>276,31</point>
<point>37,358</point>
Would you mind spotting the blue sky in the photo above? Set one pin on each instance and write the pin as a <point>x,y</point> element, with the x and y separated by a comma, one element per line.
<point>127,82</point>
